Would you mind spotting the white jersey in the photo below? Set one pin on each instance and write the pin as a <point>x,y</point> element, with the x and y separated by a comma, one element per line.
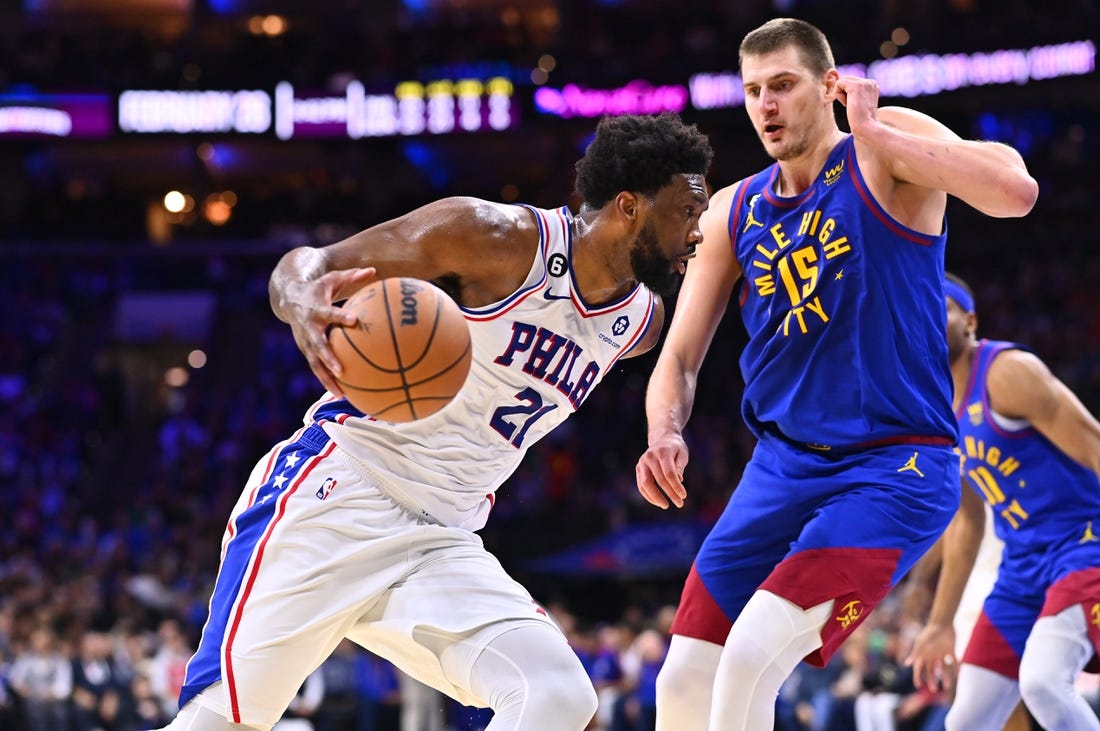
<point>536,357</point>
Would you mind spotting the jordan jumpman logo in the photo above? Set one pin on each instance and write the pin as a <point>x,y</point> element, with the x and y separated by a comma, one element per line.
<point>911,465</point>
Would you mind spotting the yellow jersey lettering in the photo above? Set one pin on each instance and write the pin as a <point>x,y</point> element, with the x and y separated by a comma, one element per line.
<point>985,481</point>
<point>993,457</point>
<point>803,259</point>
<point>768,254</point>
<point>836,247</point>
<point>788,281</point>
<point>971,446</point>
<point>761,265</point>
<point>779,236</point>
<point>1014,514</point>
<point>797,312</point>
<point>765,284</point>
<point>809,223</point>
<point>813,306</point>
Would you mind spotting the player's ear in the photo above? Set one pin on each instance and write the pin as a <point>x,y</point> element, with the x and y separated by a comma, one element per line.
<point>830,80</point>
<point>627,205</point>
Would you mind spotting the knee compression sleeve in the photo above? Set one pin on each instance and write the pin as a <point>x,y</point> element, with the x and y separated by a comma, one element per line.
<point>769,638</point>
<point>533,681</point>
<point>984,700</point>
<point>685,684</point>
<point>1055,654</point>
<point>206,712</point>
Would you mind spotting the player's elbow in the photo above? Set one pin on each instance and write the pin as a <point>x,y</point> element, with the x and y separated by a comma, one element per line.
<point>1025,192</point>
<point>1019,192</point>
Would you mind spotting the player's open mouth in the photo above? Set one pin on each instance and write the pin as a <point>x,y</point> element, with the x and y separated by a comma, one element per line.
<point>681,261</point>
<point>771,129</point>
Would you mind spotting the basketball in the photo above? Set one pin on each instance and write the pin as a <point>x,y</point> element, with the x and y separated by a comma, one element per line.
<point>409,353</point>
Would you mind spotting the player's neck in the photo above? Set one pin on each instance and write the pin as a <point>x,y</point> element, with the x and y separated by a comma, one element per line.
<point>596,273</point>
<point>798,173</point>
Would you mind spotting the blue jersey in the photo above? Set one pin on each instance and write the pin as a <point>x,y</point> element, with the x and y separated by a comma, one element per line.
<point>1046,506</point>
<point>844,308</point>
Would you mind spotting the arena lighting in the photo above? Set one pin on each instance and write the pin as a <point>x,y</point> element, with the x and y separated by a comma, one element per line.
<point>636,97</point>
<point>928,74</point>
<point>182,112</point>
<point>436,107</point>
<point>55,115</point>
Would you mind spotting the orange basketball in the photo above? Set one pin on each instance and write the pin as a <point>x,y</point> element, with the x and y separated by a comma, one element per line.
<point>408,355</point>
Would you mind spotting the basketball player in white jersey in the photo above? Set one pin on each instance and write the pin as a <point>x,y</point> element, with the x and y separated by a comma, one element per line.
<point>365,529</point>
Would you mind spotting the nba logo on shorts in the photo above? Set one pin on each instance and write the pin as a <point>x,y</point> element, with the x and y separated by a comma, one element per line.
<point>326,488</point>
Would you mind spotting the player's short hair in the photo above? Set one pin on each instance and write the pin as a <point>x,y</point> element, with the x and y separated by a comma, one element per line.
<point>639,153</point>
<point>778,33</point>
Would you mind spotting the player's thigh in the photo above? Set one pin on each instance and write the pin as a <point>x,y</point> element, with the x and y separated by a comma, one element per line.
<point>1000,635</point>
<point>898,498</point>
<point>436,622</point>
<point>295,578</point>
<point>764,515</point>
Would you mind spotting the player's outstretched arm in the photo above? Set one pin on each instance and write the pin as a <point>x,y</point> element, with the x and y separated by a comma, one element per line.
<point>933,654</point>
<point>671,392</point>
<point>1021,386</point>
<point>917,149</point>
<point>482,245</point>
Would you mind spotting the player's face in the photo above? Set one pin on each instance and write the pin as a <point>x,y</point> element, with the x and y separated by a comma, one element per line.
<point>786,102</point>
<point>960,330</point>
<point>670,234</point>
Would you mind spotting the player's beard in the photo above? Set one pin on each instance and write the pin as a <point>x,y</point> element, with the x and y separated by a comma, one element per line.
<point>651,266</point>
<point>789,150</point>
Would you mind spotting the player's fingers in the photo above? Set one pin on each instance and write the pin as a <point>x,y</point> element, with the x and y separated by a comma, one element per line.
<point>350,281</point>
<point>950,670</point>
<point>325,376</point>
<point>648,487</point>
<point>324,355</point>
<point>672,482</point>
<point>337,316</point>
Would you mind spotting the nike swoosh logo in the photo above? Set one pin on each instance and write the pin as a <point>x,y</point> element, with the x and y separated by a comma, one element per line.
<point>548,295</point>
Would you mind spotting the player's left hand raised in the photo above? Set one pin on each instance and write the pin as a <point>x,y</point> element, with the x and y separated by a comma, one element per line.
<point>860,98</point>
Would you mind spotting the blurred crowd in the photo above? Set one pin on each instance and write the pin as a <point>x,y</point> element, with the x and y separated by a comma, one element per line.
<point>119,475</point>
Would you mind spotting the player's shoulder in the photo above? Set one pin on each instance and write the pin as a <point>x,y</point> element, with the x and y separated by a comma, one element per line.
<point>484,219</point>
<point>725,197</point>
<point>1014,367</point>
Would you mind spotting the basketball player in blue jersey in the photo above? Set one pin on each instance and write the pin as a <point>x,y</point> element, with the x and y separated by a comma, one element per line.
<point>835,255</point>
<point>1031,450</point>
<point>354,527</point>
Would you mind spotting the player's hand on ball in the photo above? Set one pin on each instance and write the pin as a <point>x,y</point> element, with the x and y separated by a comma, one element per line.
<point>314,313</point>
<point>660,472</point>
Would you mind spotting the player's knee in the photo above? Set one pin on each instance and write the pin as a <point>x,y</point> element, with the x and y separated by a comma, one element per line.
<point>743,656</point>
<point>686,679</point>
<point>561,694</point>
<point>1044,693</point>
<point>964,716</point>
